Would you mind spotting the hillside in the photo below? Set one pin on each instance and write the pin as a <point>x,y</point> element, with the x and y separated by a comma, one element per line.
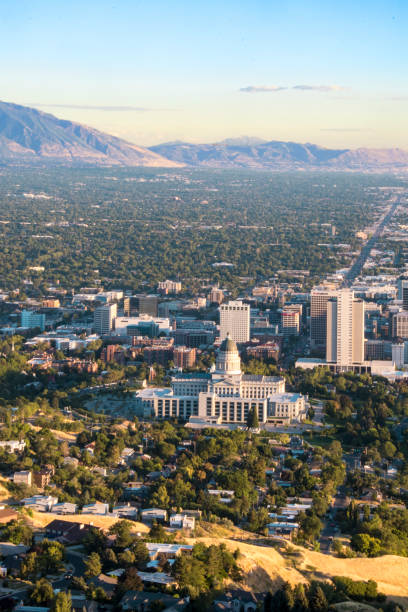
<point>29,136</point>
<point>265,568</point>
<point>276,155</point>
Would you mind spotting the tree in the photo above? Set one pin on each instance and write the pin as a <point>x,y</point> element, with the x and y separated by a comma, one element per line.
<point>317,599</point>
<point>310,525</point>
<point>62,602</point>
<point>141,554</point>
<point>51,555</point>
<point>93,565</point>
<point>122,530</point>
<point>129,581</point>
<point>252,419</point>
<point>301,603</point>
<point>190,574</point>
<point>42,593</point>
<point>160,498</point>
<point>18,532</point>
<point>29,566</point>
<point>363,542</point>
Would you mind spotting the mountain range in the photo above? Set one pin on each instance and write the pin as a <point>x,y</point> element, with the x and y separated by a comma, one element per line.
<point>29,136</point>
<point>278,155</point>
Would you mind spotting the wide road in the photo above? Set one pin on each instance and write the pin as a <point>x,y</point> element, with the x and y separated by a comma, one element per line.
<point>357,266</point>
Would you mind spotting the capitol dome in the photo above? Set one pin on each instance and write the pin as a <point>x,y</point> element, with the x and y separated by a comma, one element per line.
<point>228,359</point>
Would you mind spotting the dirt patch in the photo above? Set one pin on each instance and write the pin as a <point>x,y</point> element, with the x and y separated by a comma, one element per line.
<point>42,519</point>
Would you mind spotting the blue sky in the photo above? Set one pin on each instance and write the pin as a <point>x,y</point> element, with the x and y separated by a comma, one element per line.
<point>329,72</point>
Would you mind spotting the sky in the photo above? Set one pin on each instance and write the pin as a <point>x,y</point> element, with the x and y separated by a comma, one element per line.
<point>331,72</point>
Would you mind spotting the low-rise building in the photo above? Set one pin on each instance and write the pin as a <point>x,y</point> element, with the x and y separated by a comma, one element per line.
<point>182,521</point>
<point>98,508</point>
<point>153,514</point>
<point>13,446</point>
<point>23,477</point>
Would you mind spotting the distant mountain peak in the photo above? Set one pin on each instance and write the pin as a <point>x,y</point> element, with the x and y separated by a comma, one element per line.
<point>242,141</point>
<point>30,136</point>
<point>279,155</point>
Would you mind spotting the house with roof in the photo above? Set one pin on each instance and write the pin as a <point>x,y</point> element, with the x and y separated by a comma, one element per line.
<point>148,515</point>
<point>142,601</point>
<point>237,600</point>
<point>66,532</point>
<point>97,508</point>
<point>182,521</point>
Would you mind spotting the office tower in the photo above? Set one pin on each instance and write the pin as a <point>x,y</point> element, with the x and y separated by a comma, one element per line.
<point>403,292</point>
<point>140,304</point>
<point>345,329</point>
<point>103,319</point>
<point>318,316</point>
<point>400,325</point>
<point>290,322</point>
<point>235,321</point>
<point>398,354</point>
<point>32,319</point>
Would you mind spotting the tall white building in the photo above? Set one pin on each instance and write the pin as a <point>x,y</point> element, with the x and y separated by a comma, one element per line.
<point>235,321</point>
<point>345,329</point>
<point>103,319</point>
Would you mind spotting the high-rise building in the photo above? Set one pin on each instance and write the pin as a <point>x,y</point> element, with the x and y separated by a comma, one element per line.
<point>290,322</point>
<point>403,292</point>
<point>398,354</point>
<point>103,319</point>
<point>235,321</point>
<point>400,325</point>
<point>345,329</point>
<point>140,304</point>
<point>32,319</point>
<point>184,357</point>
<point>318,316</point>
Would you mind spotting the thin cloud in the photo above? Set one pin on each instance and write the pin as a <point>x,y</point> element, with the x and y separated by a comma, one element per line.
<point>318,87</point>
<point>345,130</point>
<point>276,88</point>
<point>261,88</point>
<point>125,109</point>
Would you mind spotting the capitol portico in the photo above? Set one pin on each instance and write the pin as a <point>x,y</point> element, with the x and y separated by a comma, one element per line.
<point>223,395</point>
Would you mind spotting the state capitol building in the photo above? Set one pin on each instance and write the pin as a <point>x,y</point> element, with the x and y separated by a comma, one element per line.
<point>224,395</point>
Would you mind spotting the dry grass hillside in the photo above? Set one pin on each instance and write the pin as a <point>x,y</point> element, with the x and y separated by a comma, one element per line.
<point>266,568</point>
<point>42,519</point>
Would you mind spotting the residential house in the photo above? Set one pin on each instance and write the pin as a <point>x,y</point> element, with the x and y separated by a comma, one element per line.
<point>237,600</point>
<point>64,508</point>
<point>40,503</point>
<point>153,514</point>
<point>225,496</point>
<point>13,446</point>
<point>42,478</point>
<point>142,601</point>
<point>24,477</point>
<point>99,508</point>
<point>182,521</point>
<point>66,532</point>
<point>125,511</point>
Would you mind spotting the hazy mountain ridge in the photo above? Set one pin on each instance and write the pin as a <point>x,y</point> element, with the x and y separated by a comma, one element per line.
<point>31,136</point>
<point>278,155</point>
